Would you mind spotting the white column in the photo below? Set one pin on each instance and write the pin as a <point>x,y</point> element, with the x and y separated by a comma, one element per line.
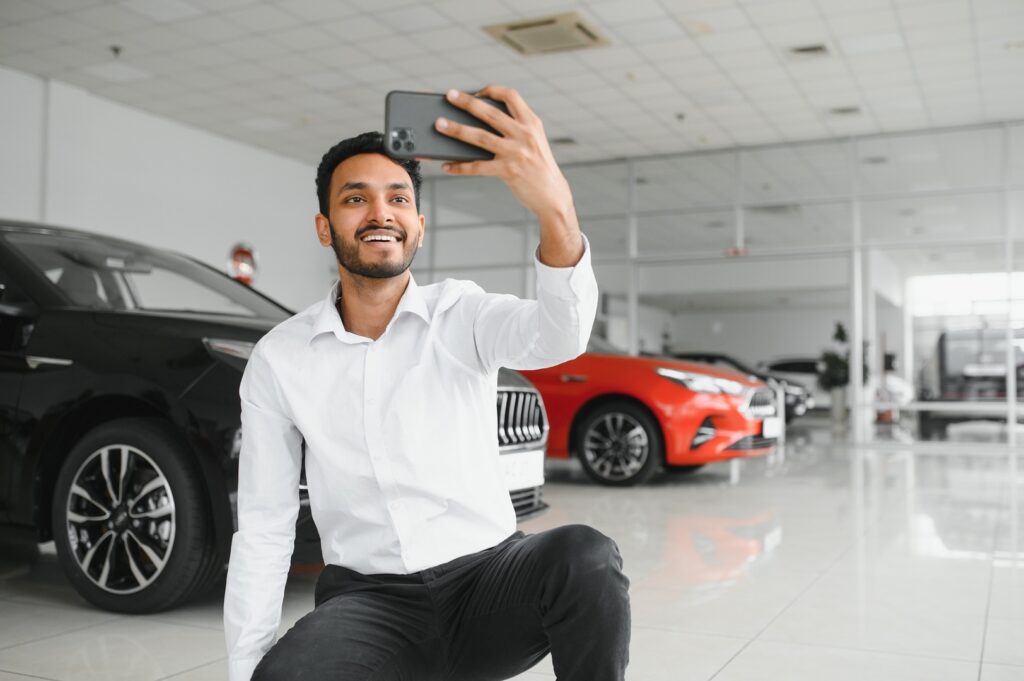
<point>1011,352</point>
<point>856,337</point>
<point>633,282</point>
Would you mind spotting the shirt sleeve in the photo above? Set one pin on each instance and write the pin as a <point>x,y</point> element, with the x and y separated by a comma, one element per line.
<point>534,334</point>
<point>269,465</point>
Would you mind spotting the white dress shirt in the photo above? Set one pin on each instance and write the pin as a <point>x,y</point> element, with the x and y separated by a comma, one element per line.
<point>401,435</point>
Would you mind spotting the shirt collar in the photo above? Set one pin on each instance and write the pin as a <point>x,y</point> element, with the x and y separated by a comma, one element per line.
<point>327,318</point>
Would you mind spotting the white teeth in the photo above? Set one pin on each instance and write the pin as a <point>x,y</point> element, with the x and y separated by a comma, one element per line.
<point>379,237</point>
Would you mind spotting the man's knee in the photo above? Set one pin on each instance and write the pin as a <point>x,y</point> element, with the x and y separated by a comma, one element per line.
<point>587,553</point>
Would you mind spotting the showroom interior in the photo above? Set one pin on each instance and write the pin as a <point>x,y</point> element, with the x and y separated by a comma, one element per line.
<point>818,204</point>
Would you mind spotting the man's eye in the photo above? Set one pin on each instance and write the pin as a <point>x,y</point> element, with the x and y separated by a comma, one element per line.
<point>353,199</point>
<point>402,199</point>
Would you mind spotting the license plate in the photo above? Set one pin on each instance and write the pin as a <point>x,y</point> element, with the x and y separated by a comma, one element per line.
<point>523,469</point>
<point>771,427</point>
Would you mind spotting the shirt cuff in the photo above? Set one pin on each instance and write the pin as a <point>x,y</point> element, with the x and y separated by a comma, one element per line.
<point>241,668</point>
<point>564,282</point>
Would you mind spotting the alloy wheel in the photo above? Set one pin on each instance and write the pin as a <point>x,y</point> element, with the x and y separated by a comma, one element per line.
<point>616,446</point>
<point>120,519</point>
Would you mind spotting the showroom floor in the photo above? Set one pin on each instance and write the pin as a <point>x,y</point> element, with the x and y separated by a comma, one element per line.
<point>826,563</point>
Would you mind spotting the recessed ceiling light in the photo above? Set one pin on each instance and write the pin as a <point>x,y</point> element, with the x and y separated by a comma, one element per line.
<point>715,224</point>
<point>875,160</point>
<point>641,180</point>
<point>680,117</point>
<point>117,72</point>
<point>845,111</point>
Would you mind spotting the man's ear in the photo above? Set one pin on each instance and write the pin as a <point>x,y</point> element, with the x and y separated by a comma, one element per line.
<point>423,226</point>
<point>323,229</point>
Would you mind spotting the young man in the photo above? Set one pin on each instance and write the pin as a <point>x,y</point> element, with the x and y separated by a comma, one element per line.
<point>392,386</point>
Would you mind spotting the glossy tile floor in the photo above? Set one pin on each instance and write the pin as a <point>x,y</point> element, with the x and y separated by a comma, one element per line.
<point>823,563</point>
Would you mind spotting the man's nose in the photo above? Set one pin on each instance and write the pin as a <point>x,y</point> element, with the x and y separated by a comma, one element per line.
<point>381,213</point>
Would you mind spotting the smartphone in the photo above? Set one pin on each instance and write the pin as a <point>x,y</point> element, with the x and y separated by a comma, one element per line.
<point>409,130</point>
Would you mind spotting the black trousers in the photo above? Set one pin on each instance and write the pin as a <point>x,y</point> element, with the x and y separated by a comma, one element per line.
<point>486,616</point>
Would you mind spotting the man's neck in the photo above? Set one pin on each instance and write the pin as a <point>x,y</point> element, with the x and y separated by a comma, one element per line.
<point>367,305</point>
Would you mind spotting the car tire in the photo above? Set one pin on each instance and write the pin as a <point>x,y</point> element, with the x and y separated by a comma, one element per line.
<point>130,518</point>
<point>619,444</point>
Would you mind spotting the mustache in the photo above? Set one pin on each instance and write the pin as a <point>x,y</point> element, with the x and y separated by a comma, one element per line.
<point>398,233</point>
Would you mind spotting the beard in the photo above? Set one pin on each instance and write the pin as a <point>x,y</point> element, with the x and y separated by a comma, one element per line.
<point>347,255</point>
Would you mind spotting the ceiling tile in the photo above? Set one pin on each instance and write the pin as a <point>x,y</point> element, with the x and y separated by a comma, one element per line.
<point>768,13</point>
<point>163,10</point>
<point>705,22</point>
<point>413,19</point>
<point>644,31</point>
<point>731,41</point>
<point>17,11</point>
<point>935,13</point>
<point>622,11</point>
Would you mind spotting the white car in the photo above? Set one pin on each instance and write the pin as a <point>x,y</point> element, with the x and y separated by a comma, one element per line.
<point>803,370</point>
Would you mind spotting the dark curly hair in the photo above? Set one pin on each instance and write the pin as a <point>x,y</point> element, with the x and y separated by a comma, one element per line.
<point>366,143</point>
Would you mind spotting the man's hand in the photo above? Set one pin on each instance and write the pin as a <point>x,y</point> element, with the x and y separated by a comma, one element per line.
<point>523,160</point>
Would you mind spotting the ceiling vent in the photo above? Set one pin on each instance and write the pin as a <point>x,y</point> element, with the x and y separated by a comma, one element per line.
<point>544,35</point>
<point>806,52</point>
<point>845,111</point>
<point>775,208</point>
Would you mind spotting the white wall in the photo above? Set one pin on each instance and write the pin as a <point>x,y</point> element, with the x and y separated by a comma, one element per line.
<point>21,144</point>
<point>122,172</point>
<point>652,324</point>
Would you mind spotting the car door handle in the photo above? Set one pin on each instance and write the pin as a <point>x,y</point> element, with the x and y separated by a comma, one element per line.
<point>34,361</point>
<point>572,378</point>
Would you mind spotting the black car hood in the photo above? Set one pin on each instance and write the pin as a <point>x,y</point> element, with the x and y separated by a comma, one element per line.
<point>188,324</point>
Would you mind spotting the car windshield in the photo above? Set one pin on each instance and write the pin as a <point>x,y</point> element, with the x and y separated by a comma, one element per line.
<point>103,274</point>
<point>602,346</point>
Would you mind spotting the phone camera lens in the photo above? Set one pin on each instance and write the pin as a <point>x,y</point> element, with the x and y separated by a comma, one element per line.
<point>403,134</point>
<point>396,145</point>
<point>409,146</point>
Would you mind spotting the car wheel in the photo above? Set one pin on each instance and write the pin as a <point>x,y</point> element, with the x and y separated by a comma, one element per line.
<point>619,444</point>
<point>130,518</point>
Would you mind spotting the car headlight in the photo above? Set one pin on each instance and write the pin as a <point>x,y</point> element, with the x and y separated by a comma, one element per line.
<point>701,383</point>
<point>235,352</point>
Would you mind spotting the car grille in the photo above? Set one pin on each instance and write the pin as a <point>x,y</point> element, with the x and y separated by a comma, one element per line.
<point>520,418</point>
<point>754,442</point>
<point>762,404</point>
<point>528,501</point>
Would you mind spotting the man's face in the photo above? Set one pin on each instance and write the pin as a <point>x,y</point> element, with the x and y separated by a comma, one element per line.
<point>374,226</point>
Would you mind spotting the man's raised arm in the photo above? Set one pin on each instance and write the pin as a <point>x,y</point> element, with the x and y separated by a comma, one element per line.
<point>515,333</point>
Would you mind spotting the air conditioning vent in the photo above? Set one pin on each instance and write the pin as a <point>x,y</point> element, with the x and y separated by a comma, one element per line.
<point>799,53</point>
<point>544,35</point>
<point>775,208</point>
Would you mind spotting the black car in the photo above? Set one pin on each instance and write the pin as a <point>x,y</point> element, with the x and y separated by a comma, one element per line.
<point>798,399</point>
<point>119,413</point>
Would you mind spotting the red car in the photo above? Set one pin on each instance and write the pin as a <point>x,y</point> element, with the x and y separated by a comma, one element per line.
<point>625,416</point>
